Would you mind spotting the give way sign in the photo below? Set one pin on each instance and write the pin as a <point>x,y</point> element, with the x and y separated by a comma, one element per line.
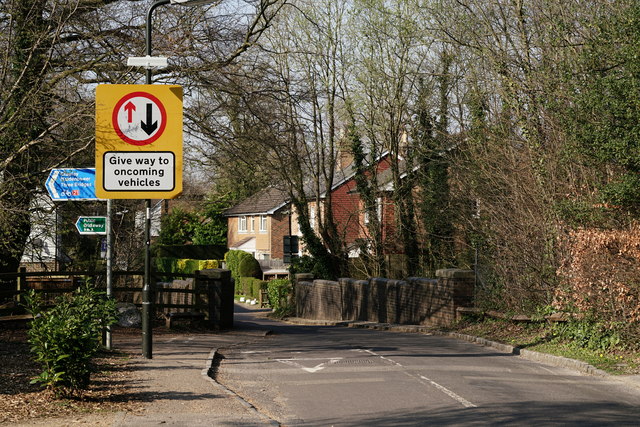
<point>138,141</point>
<point>139,118</point>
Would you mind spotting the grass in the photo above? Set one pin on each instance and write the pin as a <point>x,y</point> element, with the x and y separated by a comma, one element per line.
<point>623,358</point>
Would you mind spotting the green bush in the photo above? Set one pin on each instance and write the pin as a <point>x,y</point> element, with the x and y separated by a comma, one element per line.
<point>589,334</point>
<point>242,264</point>
<point>165,265</point>
<point>65,338</point>
<point>309,264</point>
<point>206,264</point>
<point>280,292</point>
<point>232,260</point>
<point>184,266</point>
<point>249,267</point>
<point>250,286</point>
<point>178,227</point>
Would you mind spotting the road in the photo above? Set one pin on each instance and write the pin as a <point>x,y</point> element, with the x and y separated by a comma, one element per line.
<point>337,376</point>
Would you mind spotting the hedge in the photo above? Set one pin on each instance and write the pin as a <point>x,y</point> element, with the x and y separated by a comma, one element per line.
<point>250,286</point>
<point>242,264</point>
<point>280,296</point>
<point>183,265</point>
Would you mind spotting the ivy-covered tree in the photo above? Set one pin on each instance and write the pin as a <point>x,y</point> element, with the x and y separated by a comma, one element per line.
<point>604,117</point>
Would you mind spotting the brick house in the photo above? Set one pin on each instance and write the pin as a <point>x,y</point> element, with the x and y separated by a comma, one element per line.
<point>259,223</point>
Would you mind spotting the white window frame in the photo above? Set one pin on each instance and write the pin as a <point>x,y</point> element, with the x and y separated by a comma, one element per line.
<point>378,211</point>
<point>263,223</point>
<point>242,224</point>
<point>312,218</point>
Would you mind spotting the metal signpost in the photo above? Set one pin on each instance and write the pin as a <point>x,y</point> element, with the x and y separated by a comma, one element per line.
<point>139,148</point>
<point>80,185</point>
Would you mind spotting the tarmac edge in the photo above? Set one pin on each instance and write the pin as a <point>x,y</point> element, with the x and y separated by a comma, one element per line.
<point>549,359</point>
<point>207,373</point>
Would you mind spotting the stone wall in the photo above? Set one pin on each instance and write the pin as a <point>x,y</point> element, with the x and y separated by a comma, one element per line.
<point>414,301</point>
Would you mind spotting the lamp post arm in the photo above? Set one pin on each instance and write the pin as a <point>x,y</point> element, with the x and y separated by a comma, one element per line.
<point>153,7</point>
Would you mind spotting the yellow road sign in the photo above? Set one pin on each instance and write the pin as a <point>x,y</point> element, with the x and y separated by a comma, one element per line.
<point>138,141</point>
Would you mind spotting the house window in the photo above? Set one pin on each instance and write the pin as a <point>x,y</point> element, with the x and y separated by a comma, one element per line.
<point>263,223</point>
<point>242,224</point>
<point>378,211</point>
<point>312,218</point>
<point>252,226</point>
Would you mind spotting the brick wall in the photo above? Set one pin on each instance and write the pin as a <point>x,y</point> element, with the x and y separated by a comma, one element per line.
<point>415,301</point>
<point>279,229</point>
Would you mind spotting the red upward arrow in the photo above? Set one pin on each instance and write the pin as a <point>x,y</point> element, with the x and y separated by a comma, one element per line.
<point>130,108</point>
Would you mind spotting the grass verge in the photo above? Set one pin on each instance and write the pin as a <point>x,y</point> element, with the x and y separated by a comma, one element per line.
<point>621,359</point>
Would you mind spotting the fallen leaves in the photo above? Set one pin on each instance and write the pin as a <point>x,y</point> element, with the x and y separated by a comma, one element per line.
<point>112,389</point>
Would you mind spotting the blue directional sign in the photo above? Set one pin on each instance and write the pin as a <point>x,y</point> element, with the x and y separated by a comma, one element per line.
<point>72,184</point>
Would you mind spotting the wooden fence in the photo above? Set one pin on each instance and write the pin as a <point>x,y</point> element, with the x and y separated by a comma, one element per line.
<point>207,291</point>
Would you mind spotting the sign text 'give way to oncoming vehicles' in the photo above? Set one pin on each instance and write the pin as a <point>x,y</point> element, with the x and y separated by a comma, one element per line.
<point>138,141</point>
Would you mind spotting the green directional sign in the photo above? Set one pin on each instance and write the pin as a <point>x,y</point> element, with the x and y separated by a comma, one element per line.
<point>92,225</point>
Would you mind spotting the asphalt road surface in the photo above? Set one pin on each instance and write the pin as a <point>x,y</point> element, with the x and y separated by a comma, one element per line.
<point>337,376</point>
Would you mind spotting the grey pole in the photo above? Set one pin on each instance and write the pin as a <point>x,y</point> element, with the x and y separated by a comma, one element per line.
<point>108,340</point>
<point>147,303</point>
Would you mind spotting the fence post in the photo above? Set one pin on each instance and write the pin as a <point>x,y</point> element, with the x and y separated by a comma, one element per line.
<point>197,289</point>
<point>220,289</point>
<point>21,283</point>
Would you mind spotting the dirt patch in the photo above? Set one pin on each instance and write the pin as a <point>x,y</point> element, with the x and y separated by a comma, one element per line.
<point>114,385</point>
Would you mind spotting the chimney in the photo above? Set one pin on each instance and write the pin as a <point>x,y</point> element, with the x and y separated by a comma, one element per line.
<point>345,155</point>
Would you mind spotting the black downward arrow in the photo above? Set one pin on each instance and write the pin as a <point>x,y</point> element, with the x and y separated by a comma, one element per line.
<point>147,126</point>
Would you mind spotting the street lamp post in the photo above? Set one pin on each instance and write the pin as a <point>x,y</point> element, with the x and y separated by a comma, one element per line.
<point>147,300</point>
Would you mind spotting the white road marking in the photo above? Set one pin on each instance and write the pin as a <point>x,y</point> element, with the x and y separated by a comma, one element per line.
<point>449,393</point>
<point>321,366</point>
<point>440,387</point>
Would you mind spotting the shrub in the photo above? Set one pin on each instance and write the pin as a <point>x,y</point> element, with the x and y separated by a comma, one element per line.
<point>178,227</point>
<point>309,264</point>
<point>280,291</point>
<point>600,272</point>
<point>250,286</point>
<point>231,259</point>
<point>184,266</point>
<point>208,264</point>
<point>249,267</point>
<point>65,338</point>
<point>242,264</point>
<point>589,334</point>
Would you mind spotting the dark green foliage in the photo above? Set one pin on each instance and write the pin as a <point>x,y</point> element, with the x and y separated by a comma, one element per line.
<point>242,264</point>
<point>330,265</point>
<point>431,148</point>
<point>280,296</point>
<point>65,338</point>
<point>178,227</point>
<point>365,177</point>
<point>251,286</point>
<point>249,267</point>
<point>207,227</point>
<point>212,228</point>
<point>589,334</point>
<point>309,264</point>
<point>165,265</point>
<point>604,116</point>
